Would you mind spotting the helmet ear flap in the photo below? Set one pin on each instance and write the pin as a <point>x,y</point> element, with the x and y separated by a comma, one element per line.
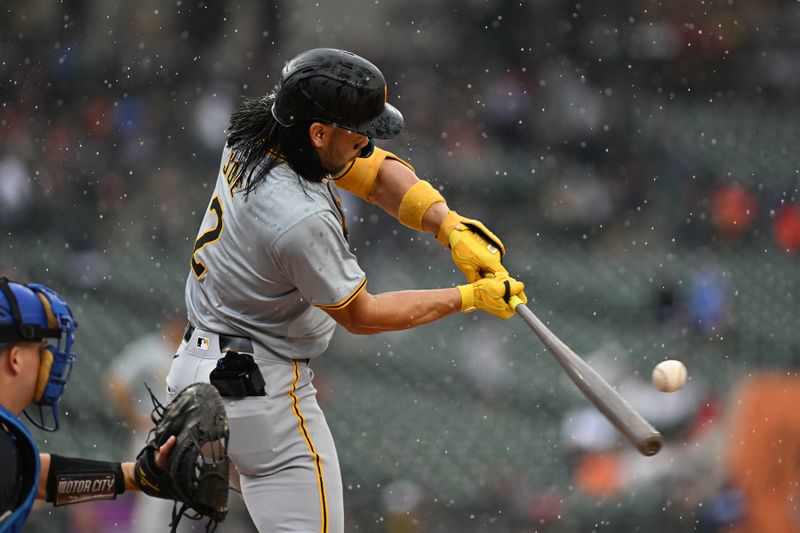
<point>43,377</point>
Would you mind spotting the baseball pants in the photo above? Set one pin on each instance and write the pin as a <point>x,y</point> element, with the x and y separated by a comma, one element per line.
<point>280,443</point>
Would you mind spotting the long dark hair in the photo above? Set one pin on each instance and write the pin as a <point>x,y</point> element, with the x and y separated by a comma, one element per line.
<point>262,144</point>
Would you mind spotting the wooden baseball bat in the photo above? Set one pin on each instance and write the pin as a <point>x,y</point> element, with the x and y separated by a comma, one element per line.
<point>597,390</point>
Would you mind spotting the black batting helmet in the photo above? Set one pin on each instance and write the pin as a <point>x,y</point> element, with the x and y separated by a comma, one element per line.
<point>337,87</point>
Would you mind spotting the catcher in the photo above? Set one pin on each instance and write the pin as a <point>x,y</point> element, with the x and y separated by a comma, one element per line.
<point>184,460</point>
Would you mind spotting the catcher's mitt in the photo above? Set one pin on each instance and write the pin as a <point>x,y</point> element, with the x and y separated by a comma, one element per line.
<point>198,464</point>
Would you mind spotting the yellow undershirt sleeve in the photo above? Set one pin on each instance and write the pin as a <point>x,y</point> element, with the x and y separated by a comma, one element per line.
<point>360,177</point>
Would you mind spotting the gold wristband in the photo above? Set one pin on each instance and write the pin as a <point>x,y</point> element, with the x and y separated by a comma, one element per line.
<point>449,223</point>
<point>467,298</point>
<point>416,201</point>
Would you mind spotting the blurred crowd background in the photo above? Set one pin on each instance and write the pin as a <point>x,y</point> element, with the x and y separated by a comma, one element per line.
<point>638,158</point>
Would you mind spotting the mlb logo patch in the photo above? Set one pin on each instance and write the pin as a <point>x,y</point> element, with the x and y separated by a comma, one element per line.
<point>202,343</point>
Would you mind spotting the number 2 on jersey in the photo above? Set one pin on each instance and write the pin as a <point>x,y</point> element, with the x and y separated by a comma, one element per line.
<point>212,235</point>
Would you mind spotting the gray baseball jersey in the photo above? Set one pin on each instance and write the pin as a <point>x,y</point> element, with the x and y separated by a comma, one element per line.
<point>265,267</point>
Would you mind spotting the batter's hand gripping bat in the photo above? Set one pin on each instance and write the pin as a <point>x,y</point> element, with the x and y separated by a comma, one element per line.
<point>597,390</point>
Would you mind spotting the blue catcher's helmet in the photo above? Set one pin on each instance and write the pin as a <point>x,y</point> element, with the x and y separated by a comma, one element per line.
<point>32,313</point>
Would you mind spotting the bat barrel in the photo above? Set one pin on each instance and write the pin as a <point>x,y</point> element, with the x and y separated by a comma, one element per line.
<point>596,389</point>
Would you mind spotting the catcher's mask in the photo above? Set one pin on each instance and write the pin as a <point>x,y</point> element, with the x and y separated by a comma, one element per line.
<point>31,313</point>
<point>336,87</point>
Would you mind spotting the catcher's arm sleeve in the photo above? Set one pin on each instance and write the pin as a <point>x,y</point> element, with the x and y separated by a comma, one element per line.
<point>67,480</point>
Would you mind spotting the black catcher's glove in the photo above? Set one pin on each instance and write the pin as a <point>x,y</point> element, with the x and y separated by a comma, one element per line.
<point>198,464</point>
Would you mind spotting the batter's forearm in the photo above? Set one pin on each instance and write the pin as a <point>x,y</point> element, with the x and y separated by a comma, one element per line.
<point>434,216</point>
<point>392,182</point>
<point>399,310</point>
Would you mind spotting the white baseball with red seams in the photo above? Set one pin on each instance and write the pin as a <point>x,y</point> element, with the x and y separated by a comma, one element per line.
<point>670,375</point>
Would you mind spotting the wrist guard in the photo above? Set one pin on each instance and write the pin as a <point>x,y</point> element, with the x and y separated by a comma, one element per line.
<point>72,480</point>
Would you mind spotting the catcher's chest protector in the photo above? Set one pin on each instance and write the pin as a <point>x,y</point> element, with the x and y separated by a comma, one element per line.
<point>29,462</point>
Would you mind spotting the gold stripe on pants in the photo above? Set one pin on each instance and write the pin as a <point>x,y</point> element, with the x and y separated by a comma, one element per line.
<point>317,459</point>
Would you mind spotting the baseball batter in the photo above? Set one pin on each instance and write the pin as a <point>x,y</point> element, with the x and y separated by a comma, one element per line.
<point>272,274</point>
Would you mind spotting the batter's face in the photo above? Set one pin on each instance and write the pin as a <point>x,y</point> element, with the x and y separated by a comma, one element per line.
<point>337,147</point>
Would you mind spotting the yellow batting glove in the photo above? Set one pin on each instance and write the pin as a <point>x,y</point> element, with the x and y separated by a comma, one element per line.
<point>492,295</point>
<point>476,251</point>
<point>475,256</point>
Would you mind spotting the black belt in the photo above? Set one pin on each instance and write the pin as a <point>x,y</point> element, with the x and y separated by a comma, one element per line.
<point>227,343</point>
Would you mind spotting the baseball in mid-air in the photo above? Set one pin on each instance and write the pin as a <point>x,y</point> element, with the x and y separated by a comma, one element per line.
<point>669,376</point>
